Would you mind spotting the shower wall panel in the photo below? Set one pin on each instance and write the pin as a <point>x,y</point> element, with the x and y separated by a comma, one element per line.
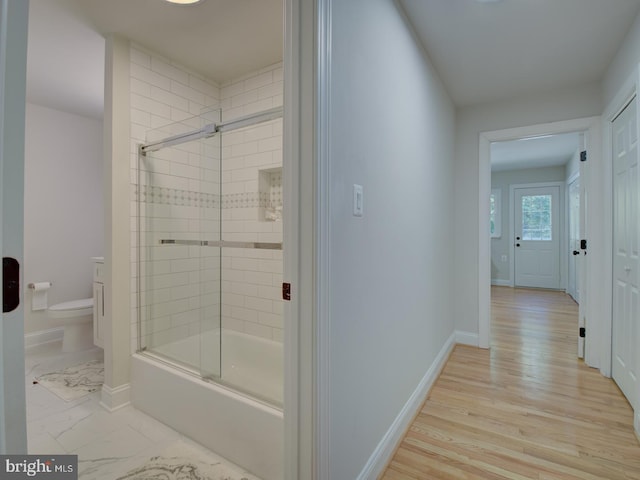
<point>252,207</point>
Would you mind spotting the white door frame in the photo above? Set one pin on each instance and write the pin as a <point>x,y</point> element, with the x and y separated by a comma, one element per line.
<point>619,102</point>
<point>303,24</point>
<point>562,257</point>
<point>591,125</point>
<point>13,65</point>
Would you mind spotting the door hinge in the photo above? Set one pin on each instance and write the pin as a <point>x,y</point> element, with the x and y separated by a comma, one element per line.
<point>286,291</point>
<point>583,156</point>
<point>583,332</point>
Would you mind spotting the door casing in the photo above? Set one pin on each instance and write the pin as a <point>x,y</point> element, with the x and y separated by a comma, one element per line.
<point>13,61</point>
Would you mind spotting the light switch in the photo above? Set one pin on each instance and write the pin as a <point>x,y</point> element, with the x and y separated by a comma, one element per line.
<point>358,199</point>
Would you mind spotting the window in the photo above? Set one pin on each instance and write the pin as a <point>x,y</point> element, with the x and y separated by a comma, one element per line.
<point>536,217</point>
<point>495,212</point>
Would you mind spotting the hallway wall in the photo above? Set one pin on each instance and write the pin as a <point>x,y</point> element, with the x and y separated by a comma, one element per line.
<point>566,104</point>
<point>391,285</point>
<point>625,61</point>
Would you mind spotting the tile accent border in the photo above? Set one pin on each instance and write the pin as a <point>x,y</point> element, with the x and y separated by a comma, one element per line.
<point>186,198</point>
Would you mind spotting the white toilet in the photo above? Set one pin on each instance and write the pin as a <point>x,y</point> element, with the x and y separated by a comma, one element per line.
<point>76,317</point>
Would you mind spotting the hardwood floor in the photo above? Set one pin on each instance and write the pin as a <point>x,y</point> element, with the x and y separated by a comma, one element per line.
<point>526,409</point>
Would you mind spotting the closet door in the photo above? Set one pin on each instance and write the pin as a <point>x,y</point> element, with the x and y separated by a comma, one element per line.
<point>625,252</point>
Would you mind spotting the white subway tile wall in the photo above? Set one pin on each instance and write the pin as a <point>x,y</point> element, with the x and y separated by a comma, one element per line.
<point>252,207</point>
<point>181,198</point>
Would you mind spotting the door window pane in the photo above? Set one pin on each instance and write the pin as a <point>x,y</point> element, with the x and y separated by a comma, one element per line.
<point>536,217</point>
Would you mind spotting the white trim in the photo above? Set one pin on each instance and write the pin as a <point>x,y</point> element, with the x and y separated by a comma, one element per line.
<point>589,124</point>
<point>115,398</point>
<point>498,282</point>
<point>466,338</point>
<point>512,216</point>
<point>299,254</point>
<point>290,240</point>
<point>43,336</point>
<point>387,446</point>
<point>323,237</point>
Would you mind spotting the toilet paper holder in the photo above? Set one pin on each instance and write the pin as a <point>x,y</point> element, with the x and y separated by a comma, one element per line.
<point>32,285</point>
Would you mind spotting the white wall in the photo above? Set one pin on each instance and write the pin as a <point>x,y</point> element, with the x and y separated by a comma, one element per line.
<point>391,283</point>
<point>623,64</point>
<point>577,102</point>
<point>503,180</point>
<point>63,212</point>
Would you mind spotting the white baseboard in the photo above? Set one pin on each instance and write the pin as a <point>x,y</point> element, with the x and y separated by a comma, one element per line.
<point>43,336</point>
<point>467,338</point>
<point>500,283</point>
<point>115,398</point>
<point>387,446</point>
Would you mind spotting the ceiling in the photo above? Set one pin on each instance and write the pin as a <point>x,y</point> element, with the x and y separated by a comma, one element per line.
<point>534,152</point>
<point>482,51</point>
<point>220,39</point>
<point>485,52</point>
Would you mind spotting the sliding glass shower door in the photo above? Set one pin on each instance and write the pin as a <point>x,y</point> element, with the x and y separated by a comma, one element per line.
<point>179,254</point>
<point>210,249</point>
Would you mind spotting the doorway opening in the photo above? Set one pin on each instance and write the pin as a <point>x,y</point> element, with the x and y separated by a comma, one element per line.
<point>506,277</point>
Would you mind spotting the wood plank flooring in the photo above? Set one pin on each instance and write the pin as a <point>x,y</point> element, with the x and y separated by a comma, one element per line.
<point>526,409</point>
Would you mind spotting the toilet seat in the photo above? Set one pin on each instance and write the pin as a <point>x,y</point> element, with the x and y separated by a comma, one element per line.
<point>72,309</point>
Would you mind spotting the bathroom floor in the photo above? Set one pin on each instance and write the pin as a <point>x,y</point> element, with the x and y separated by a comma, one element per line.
<point>126,444</point>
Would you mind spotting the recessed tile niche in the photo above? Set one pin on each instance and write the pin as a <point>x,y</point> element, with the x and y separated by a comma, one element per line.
<point>270,186</point>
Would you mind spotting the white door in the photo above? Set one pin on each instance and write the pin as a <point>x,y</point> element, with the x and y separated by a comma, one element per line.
<point>625,251</point>
<point>537,239</point>
<point>13,55</point>
<point>573,281</point>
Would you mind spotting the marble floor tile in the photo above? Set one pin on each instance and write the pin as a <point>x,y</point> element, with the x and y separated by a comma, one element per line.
<point>74,382</point>
<point>109,445</point>
<point>184,460</point>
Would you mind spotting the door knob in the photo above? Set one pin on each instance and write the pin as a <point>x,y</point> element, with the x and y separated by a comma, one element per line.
<point>576,252</point>
<point>517,244</point>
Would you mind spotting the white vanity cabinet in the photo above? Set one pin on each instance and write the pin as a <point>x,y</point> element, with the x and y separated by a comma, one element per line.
<point>98,301</point>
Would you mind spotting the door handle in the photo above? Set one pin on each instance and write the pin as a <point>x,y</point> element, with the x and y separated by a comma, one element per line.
<point>10,284</point>
<point>576,252</point>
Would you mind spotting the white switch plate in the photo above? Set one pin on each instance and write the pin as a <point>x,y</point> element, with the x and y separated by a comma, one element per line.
<point>358,200</point>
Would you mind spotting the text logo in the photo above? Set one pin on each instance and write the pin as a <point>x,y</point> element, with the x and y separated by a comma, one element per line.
<point>50,467</point>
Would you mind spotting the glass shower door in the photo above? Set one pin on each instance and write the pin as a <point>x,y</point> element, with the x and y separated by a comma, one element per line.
<point>179,234</point>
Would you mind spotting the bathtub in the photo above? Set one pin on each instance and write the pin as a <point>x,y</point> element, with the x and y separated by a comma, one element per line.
<point>247,431</point>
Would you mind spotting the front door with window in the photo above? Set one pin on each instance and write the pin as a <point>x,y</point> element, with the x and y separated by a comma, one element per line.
<point>537,245</point>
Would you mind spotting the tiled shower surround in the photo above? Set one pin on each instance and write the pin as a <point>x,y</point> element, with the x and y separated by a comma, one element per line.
<point>181,198</point>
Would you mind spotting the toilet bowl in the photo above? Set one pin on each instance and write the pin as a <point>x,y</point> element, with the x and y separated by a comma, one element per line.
<point>76,317</point>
